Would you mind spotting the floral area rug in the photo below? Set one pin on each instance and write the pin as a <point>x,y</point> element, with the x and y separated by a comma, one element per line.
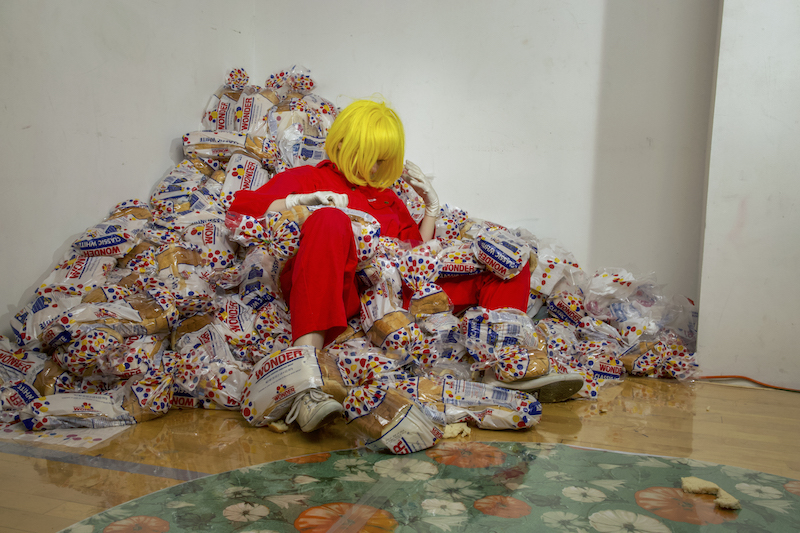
<point>469,486</point>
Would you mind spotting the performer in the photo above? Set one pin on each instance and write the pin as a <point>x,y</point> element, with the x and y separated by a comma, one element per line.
<point>366,149</point>
<point>365,145</point>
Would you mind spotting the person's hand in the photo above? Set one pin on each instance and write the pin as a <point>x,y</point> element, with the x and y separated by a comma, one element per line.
<point>317,198</point>
<point>422,184</point>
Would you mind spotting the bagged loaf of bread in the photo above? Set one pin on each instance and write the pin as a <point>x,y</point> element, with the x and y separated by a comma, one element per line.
<point>253,106</point>
<point>76,410</point>
<point>504,254</point>
<point>276,380</point>
<point>420,270</point>
<point>448,225</point>
<point>386,420</point>
<point>243,172</point>
<point>19,372</point>
<point>29,323</point>
<point>220,145</point>
<point>448,401</point>
<point>520,362</point>
<point>458,259</point>
<point>133,356</point>
<point>140,398</point>
<point>77,274</point>
<point>221,110</point>
<point>118,234</point>
<point>150,309</point>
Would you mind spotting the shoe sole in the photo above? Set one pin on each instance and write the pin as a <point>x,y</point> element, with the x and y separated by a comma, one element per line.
<point>551,388</point>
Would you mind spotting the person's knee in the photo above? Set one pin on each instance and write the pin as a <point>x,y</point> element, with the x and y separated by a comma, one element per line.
<point>326,230</point>
<point>328,219</point>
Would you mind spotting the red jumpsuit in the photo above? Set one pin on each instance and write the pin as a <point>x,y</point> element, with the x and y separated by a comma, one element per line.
<point>320,284</point>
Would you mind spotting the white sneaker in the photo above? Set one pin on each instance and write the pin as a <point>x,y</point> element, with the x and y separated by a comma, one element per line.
<point>549,388</point>
<point>313,409</point>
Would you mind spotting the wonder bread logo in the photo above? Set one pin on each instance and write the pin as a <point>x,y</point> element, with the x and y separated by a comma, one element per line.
<point>222,115</point>
<point>233,320</point>
<point>247,112</point>
<point>249,172</point>
<point>205,337</point>
<point>14,361</point>
<point>277,360</point>
<point>77,268</point>
<point>85,407</point>
<point>282,392</point>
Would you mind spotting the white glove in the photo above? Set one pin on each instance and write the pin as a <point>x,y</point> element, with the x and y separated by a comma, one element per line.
<point>422,184</point>
<point>317,198</point>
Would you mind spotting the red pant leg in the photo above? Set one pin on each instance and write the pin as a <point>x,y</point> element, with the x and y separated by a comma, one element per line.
<point>320,285</point>
<point>489,291</point>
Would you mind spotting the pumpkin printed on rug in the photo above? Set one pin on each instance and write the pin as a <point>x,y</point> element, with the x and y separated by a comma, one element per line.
<point>502,506</point>
<point>345,516</point>
<point>466,454</point>
<point>674,504</point>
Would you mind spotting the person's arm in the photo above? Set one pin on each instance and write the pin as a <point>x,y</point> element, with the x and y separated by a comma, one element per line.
<point>278,205</point>
<point>422,184</point>
<point>313,198</point>
<point>256,203</point>
<point>427,228</point>
<point>284,191</point>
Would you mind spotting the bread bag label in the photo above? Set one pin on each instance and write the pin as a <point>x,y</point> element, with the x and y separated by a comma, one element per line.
<point>18,396</point>
<point>75,410</point>
<point>412,433</point>
<point>501,252</point>
<point>279,378</point>
<point>184,400</point>
<point>459,260</point>
<point>603,370</point>
<point>568,307</point>
<point>226,112</point>
<point>243,173</point>
<point>212,144</point>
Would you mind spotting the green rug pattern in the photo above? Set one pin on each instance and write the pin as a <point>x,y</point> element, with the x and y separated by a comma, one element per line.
<point>470,486</point>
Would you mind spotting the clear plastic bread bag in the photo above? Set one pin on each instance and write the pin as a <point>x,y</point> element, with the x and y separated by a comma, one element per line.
<point>276,380</point>
<point>221,110</point>
<point>386,420</point>
<point>504,254</point>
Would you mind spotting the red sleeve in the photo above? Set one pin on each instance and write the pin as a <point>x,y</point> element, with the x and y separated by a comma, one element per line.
<point>409,230</point>
<point>293,181</point>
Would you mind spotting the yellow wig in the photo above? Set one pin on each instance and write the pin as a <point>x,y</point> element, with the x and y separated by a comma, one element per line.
<point>365,133</point>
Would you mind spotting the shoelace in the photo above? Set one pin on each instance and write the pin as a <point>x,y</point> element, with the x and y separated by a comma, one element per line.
<point>314,395</point>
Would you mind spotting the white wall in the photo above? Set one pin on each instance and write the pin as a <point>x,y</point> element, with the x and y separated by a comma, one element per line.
<point>582,121</point>
<point>650,153</point>
<point>96,96</point>
<point>752,240</point>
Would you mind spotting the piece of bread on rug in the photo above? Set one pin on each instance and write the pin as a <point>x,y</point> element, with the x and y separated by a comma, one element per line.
<point>459,429</point>
<point>695,485</point>
<point>726,501</point>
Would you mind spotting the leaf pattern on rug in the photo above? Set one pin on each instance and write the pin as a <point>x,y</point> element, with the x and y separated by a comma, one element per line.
<point>463,486</point>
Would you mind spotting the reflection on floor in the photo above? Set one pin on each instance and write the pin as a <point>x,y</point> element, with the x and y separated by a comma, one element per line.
<point>469,487</point>
<point>49,487</point>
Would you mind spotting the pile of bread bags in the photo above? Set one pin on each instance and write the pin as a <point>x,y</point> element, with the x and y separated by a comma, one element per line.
<point>175,302</point>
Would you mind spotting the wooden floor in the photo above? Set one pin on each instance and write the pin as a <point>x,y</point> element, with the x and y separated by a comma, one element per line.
<point>45,489</point>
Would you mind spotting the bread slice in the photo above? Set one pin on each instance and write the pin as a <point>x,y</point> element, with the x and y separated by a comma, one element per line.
<point>726,501</point>
<point>278,426</point>
<point>458,429</point>
<point>695,485</point>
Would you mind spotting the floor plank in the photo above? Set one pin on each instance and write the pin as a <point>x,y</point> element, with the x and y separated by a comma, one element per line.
<point>738,426</point>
